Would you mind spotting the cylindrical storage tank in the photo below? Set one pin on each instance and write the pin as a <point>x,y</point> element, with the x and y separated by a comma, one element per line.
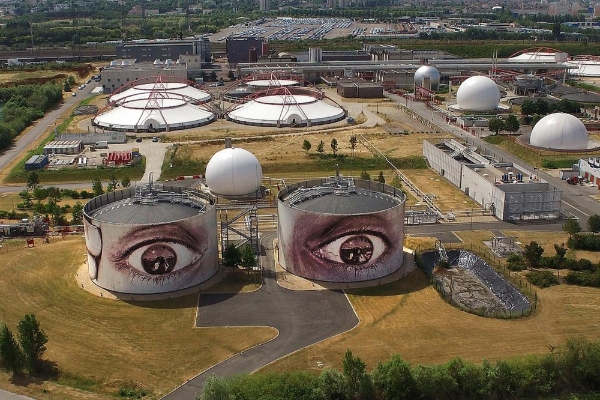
<point>431,73</point>
<point>315,54</point>
<point>143,241</point>
<point>252,55</point>
<point>348,232</point>
<point>233,172</point>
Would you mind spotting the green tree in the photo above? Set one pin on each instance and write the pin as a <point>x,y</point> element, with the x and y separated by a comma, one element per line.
<point>512,124</point>
<point>533,253</point>
<point>357,380</point>
<point>67,87</point>
<point>393,380</point>
<point>33,180</point>
<point>571,226</point>
<point>528,108</point>
<point>496,125</point>
<point>365,176</point>
<point>113,183</point>
<point>333,384</point>
<point>593,223</point>
<point>542,107</point>
<point>54,194</point>
<point>231,256</point>
<point>561,252</point>
<point>97,187</point>
<point>306,146</point>
<point>71,80</point>
<point>39,193</point>
<point>381,178</point>
<point>33,342</point>
<point>125,182</point>
<point>321,147</point>
<point>396,182</point>
<point>216,388</point>
<point>10,352</point>
<point>353,141</point>
<point>334,146</point>
<point>77,214</point>
<point>248,260</point>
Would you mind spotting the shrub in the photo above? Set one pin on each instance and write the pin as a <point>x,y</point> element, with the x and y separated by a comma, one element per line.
<point>549,262</point>
<point>542,279</point>
<point>584,242</point>
<point>583,278</point>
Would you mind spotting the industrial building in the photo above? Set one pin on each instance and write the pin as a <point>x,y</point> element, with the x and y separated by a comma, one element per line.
<point>287,106</point>
<point>239,49</point>
<point>148,51</point>
<point>159,106</point>
<point>502,188</point>
<point>64,147</point>
<point>341,229</point>
<point>151,239</point>
<point>120,73</point>
<point>361,90</point>
<point>37,161</point>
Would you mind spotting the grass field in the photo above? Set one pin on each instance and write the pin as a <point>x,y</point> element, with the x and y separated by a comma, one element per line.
<point>409,318</point>
<point>101,345</point>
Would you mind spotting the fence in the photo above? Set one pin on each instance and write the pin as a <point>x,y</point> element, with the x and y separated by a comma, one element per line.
<point>427,266</point>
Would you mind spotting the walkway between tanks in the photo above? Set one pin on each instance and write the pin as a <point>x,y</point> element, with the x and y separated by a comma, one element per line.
<point>301,317</point>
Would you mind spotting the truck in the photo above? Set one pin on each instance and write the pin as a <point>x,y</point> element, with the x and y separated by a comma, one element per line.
<point>102,144</point>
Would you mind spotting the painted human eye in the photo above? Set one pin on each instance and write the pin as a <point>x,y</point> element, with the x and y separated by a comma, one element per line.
<point>161,258</point>
<point>353,249</point>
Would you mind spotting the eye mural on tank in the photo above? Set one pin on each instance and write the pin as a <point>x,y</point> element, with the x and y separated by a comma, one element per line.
<point>158,254</point>
<point>350,248</point>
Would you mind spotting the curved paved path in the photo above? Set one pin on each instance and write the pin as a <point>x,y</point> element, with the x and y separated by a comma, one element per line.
<point>302,318</point>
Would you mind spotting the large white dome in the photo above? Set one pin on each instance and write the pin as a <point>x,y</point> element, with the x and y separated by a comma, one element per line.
<point>233,172</point>
<point>431,72</point>
<point>560,131</point>
<point>478,93</point>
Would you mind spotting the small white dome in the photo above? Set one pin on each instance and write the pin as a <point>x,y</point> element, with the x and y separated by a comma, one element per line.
<point>560,131</point>
<point>233,172</point>
<point>478,93</point>
<point>431,72</point>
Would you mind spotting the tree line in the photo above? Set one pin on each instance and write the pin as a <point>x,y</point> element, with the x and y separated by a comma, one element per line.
<point>572,368</point>
<point>23,105</point>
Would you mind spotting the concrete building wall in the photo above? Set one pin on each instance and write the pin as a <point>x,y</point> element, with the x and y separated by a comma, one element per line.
<point>531,201</point>
<point>237,49</point>
<point>149,52</point>
<point>115,77</point>
<point>446,166</point>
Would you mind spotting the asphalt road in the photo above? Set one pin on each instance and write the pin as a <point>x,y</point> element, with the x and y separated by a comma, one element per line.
<point>301,317</point>
<point>7,155</point>
<point>4,395</point>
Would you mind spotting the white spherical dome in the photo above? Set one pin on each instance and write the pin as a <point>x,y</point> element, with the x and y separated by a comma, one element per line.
<point>478,93</point>
<point>431,72</point>
<point>233,172</point>
<point>559,131</point>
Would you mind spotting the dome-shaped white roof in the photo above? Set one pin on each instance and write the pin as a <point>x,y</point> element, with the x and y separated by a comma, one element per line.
<point>560,131</point>
<point>478,93</point>
<point>233,172</point>
<point>431,72</point>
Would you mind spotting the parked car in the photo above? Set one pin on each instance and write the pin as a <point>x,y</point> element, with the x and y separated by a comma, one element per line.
<point>138,140</point>
<point>155,139</point>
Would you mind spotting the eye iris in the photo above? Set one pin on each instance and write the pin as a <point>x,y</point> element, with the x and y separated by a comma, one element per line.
<point>356,250</point>
<point>159,259</point>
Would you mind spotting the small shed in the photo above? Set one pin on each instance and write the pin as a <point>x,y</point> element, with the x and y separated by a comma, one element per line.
<point>36,162</point>
<point>64,147</point>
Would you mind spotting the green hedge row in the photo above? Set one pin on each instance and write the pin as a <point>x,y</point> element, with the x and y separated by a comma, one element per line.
<point>572,368</point>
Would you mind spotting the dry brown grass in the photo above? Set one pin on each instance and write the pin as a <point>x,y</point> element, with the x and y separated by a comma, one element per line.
<point>409,318</point>
<point>114,343</point>
<point>449,197</point>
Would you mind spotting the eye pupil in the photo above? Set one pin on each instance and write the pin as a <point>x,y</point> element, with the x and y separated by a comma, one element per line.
<point>159,259</point>
<point>356,250</point>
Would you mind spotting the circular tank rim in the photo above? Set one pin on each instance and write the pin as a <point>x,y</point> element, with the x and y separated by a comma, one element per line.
<point>399,197</point>
<point>209,203</point>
